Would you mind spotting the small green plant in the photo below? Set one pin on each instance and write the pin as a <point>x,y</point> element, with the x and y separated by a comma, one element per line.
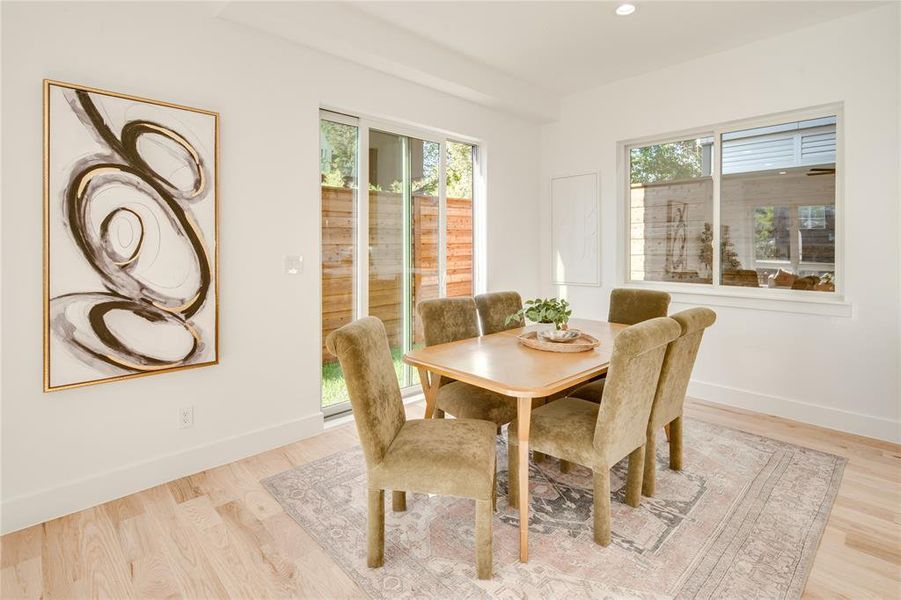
<point>333,178</point>
<point>539,310</point>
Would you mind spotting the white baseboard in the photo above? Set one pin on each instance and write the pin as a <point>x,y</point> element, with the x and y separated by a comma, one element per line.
<point>36,507</point>
<point>813,414</point>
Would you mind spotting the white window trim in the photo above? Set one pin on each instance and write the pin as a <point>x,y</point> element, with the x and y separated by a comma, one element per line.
<point>818,303</point>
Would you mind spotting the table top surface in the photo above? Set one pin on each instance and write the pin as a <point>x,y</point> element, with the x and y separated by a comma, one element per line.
<point>498,362</point>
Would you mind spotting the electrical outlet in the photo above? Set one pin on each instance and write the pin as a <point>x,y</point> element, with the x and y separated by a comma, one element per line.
<point>186,417</point>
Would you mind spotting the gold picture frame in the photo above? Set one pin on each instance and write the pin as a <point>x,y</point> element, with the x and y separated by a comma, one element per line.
<point>122,160</point>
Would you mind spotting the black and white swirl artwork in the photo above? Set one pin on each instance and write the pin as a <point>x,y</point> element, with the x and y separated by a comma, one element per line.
<point>130,236</point>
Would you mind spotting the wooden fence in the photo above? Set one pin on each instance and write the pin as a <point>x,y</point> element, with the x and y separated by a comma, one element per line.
<point>386,257</point>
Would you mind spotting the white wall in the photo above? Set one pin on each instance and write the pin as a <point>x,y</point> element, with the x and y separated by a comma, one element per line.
<point>68,450</point>
<point>841,372</point>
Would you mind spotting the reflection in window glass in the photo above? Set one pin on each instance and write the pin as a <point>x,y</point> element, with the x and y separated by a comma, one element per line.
<point>812,217</point>
<point>777,207</point>
<point>771,233</point>
<point>671,211</point>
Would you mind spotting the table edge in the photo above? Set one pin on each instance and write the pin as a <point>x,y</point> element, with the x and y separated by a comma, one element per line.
<point>514,392</point>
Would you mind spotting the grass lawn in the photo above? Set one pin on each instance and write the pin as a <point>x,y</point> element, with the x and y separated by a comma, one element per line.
<point>333,389</point>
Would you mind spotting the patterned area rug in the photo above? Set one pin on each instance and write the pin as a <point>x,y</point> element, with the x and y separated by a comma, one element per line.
<point>742,520</point>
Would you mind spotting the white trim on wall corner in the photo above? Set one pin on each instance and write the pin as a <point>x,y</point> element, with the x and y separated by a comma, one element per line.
<point>814,414</point>
<point>30,509</point>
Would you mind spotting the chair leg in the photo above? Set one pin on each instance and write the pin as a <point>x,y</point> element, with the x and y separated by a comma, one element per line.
<point>538,457</point>
<point>494,492</point>
<point>398,501</point>
<point>675,444</point>
<point>375,556</point>
<point>633,479</point>
<point>565,466</point>
<point>484,517</point>
<point>649,481</point>
<point>602,506</point>
<point>512,468</point>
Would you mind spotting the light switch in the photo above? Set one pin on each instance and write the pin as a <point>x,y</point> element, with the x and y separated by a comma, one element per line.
<point>293,265</point>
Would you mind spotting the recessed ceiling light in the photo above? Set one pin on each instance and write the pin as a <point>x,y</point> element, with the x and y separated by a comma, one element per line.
<point>625,10</point>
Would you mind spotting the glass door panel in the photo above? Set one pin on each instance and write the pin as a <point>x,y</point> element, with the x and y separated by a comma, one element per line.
<point>338,160</point>
<point>425,165</point>
<point>418,228</point>
<point>388,237</point>
<point>459,186</point>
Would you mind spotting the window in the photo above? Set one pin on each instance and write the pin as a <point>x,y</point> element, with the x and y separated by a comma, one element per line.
<point>812,217</point>
<point>417,244</point>
<point>671,208</point>
<point>764,197</point>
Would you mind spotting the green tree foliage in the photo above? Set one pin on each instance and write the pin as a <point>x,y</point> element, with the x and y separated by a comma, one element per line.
<point>333,178</point>
<point>728,255</point>
<point>458,167</point>
<point>338,163</point>
<point>459,170</point>
<point>667,162</point>
<point>338,154</point>
<point>765,233</point>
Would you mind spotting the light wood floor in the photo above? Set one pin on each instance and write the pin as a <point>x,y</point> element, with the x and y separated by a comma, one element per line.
<point>218,534</point>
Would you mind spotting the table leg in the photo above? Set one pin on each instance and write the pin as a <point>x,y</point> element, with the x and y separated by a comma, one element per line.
<point>523,418</point>
<point>429,390</point>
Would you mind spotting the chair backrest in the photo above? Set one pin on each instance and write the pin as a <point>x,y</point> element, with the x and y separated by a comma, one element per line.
<point>634,306</point>
<point>494,308</point>
<point>631,383</point>
<point>362,349</point>
<point>677,365</point>
<point>448,320</point>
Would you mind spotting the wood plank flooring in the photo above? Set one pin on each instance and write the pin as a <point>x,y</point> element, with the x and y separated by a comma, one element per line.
<point>218,534</point>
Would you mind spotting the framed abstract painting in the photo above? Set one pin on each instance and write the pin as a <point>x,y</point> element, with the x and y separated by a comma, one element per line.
<point>131,285</point>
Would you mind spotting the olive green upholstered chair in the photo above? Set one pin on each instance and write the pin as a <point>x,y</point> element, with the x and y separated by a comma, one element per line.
<point>627,307</point>
<point>494,308</point>
<point>449,457</point>
<point>634,306</point>
<point>600,435</point>
<point>671,389</point>
<point>448,320</point>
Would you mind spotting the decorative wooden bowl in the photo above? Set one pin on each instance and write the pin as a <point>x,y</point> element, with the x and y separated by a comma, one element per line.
<point>558,335</point>
<point>583,343</point>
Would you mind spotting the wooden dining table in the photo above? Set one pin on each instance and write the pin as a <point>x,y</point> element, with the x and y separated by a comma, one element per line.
<point>500,363</point>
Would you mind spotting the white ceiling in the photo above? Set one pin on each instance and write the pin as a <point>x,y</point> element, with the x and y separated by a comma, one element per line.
<point>568,47</point>
<point>525,56</point>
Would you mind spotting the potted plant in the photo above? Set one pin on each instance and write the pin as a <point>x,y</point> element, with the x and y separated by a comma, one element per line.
<point>539,310</point>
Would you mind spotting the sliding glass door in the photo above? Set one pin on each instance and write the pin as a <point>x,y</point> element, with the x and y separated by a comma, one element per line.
<point>407,241</point>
